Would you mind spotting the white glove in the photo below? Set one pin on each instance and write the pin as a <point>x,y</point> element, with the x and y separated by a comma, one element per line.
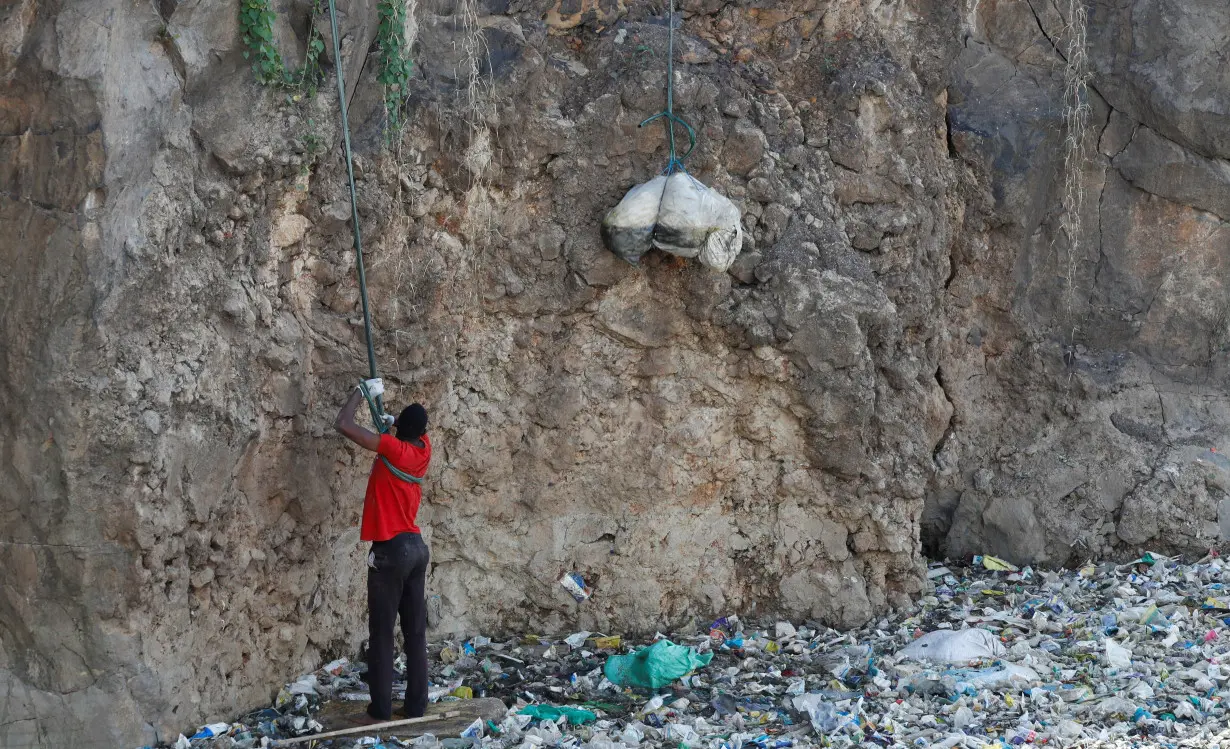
<point>375,387</point>
<point>388,419</point>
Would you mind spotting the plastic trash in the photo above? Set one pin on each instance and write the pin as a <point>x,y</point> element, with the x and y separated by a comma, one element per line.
<point>962,717</point>
<point>848,663</point>
<point>211,730</point>
<point>676,214</point>
<point>576,587</point>
<point>577,639</point>
<point>1117,656</point>
<point>682,734</point>
<point>822,714</point>
<point>995,563</point>
<point>1116,706</point>
<point>627,229</point>
<point>305,685</point>
<point>575,715</point>
<point>654,666</point>
<point>999,677</point>
<point>1047,681</point>
<point>960,646</point>
<point>633,733</point>
<point>697,221</point>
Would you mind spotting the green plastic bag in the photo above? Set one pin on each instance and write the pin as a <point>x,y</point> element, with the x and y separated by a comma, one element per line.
<point>575,715</point>
<point>654,666</point>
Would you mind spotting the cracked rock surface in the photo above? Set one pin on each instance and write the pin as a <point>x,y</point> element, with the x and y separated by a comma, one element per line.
<point>903,360</point>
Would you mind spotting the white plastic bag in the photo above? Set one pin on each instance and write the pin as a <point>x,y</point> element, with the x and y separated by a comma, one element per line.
<point>677,214</point>
<point>949,646</point>
<point>823,714</point>
<point>696,221</point>
<point>1003,676</point>
<point>682,733</point>
<point>628,228</point>
<point>962,717</point>
<point>1117,656</point>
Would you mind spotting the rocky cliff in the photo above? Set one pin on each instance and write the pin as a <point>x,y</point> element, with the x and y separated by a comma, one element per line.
<point>973,313</point>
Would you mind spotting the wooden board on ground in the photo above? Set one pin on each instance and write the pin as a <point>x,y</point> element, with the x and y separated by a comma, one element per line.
<point>383,727</point>
<point>339,715</point>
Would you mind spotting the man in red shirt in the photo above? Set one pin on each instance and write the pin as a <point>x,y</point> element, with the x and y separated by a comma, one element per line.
<point>397,564</point>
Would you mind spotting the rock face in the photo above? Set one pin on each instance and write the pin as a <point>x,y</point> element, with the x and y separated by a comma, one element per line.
<point>1089,385</point>
<point>906,354</point>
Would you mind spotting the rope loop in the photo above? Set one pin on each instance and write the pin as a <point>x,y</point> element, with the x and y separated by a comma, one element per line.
<point>675,162</point>
<point>377,411</point>
<point>376,408</point>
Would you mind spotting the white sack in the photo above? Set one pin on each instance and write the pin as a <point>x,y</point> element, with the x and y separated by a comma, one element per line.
<point>679,215</point>
<point>695,220</point>
<point>949,646</point>
<point>628,228</point>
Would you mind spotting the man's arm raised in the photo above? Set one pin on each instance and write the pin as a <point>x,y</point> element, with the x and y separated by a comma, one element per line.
<point>345,422</point>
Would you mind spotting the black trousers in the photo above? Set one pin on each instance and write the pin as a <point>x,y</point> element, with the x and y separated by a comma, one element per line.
<point>396,582</point>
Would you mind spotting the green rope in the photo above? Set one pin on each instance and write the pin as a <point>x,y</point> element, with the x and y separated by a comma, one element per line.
<point>375,405</point>
<point>354,201</point>
<point>377,412</point>
<point>676,162</point>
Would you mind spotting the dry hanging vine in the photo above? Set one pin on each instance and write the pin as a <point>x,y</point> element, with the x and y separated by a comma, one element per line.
<point>1076,124</point>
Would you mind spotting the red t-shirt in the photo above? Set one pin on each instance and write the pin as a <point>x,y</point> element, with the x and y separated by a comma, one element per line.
<point>392,504</point>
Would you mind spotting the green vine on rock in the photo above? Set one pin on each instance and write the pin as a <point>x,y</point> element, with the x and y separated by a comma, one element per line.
<point>395,67</point>
<point>256,28</point>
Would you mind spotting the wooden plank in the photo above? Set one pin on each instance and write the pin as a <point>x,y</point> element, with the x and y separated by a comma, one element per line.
<point>370,728</point>
<point>344,714</point>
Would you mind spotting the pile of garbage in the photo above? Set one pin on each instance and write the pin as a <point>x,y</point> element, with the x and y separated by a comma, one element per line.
<point>992,657</point>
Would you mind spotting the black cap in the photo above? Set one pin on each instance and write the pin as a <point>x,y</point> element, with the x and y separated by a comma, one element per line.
<point>412,422</point>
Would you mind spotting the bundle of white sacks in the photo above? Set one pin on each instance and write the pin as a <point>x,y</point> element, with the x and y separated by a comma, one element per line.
<point>679,215</point>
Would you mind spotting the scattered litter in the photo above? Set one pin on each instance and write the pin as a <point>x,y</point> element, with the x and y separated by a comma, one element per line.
<point>654,666</point>
<point>1117,656</point>
<point>959,646</point>
<point>576,639</point>
<point>474,730</point>
<point>576,587</point>
<point>211,730</point>
<point>575,715</point>
<point>1108,655</point>
<point>995,563</point>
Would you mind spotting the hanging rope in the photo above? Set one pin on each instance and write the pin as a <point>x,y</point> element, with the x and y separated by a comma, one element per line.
<point>354,202</point>
<point>375,405</point>
<point>675,162</point>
